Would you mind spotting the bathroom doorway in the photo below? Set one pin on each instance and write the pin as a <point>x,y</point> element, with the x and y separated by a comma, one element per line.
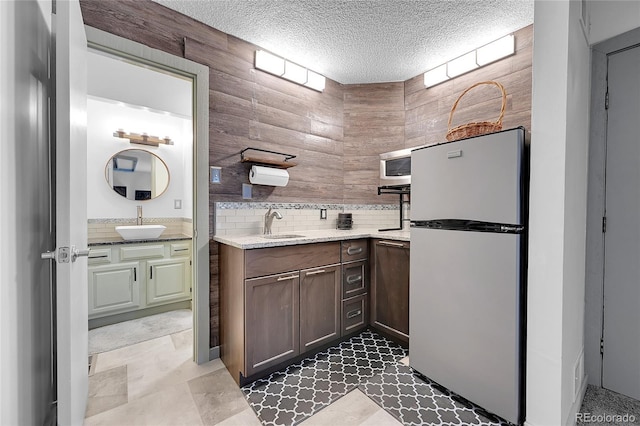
<point>147,161</point>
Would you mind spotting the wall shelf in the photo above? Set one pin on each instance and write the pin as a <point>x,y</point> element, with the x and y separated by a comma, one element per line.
<point>267,161</point>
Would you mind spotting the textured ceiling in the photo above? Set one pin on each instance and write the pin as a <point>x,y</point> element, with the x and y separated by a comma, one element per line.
<point>363,41</point>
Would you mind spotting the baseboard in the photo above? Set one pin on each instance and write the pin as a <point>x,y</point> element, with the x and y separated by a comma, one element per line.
<point>575,408</point>
<point>214,353</point>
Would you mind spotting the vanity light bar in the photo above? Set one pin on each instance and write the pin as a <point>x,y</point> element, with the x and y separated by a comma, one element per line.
<point>276,65</point>
<point>142,139</point>
<point>477,58</point>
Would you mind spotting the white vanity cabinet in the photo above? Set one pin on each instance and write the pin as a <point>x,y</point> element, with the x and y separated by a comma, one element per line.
<point>130,277</point>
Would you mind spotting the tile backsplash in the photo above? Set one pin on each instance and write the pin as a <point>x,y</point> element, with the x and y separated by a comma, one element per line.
<point>248,218</point>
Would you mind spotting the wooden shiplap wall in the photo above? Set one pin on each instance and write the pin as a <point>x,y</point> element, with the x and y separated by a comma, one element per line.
<point>427,110</point>
<point>374,121</point>
<point>337,135</point>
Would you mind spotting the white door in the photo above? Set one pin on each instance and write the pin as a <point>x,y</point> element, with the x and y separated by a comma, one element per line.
<point>71,212</point>
<point>621,333</point>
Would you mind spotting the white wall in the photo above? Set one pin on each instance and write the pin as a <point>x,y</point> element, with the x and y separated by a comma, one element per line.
<point>25,388</point>
<point>610,18</point>
<point>103,118</point>
<point>557,221</point>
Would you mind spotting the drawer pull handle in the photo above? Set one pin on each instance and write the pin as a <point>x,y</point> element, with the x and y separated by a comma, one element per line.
<point>182,249</point>
<point>150,272</point>
<point>290,277</point>
<point>354,250</point>
<point>354,279</point>
<point>102,256</point>
<point>135,275</point>
<point>353,314</point>
<point>320,271</point>
<point>390,243</point>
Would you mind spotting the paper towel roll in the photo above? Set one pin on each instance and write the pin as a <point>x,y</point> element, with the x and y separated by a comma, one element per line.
<point>260,175</point>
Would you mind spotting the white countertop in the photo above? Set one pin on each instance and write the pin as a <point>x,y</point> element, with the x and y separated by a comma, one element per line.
<point>308,237</point>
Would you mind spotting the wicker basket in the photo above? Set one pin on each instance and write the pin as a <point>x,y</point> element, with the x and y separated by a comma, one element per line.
<point>478,127</point>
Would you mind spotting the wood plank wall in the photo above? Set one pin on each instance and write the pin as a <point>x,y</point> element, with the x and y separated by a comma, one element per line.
<point>374,121</point>
<point>427,110</point>
<point>337,135</point>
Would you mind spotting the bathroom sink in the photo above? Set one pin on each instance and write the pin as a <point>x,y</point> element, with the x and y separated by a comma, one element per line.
<point>140,232</point>
<point>281,236</point>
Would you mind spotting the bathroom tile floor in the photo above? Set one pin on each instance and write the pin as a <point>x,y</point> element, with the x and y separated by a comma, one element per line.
<point>156,383</point>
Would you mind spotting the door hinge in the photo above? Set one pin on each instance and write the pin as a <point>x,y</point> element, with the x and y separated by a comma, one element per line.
<point>606,100</point>
<point>604,224</point>
<point>601,346</point>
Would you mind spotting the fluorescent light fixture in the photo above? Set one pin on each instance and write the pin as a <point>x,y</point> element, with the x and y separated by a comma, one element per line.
<point>276,65</point>
<point>498,49</point>
<point>436,75</point>
<point>269,63</point>
<point>315,81</point>
<point>462,64</point>
<point>295,72</point>
<point>479,57</point>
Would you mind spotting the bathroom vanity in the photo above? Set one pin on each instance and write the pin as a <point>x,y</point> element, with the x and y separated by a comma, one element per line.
<point>135,278</point>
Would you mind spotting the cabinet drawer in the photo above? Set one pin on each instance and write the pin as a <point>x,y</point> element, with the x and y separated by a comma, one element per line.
<point>180,249</point>
<point>355,250</point>
<point>275,260</point>
<point>354,313</point>
<point>140,252</point>
<point>99,256</point>
<point>354,278</point>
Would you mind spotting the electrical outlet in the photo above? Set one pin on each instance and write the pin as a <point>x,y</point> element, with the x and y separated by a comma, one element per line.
<point>323,214</point>
<point>177,204</point>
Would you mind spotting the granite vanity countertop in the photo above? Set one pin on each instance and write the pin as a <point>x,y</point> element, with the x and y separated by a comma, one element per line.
<point>308,237</point>
<point>109,241</point>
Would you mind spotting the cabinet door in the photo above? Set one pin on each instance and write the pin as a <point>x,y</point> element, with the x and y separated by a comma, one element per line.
<point>320,303</point>
<point>272,326</point>
<point>168,281</point>
<point>114,288</point>
<point>390,289</point>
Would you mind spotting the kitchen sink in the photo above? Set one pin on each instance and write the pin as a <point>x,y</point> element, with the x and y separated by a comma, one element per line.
<point>281,236</point>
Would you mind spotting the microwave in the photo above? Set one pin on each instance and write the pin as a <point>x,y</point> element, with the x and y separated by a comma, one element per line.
<point>395,167</point>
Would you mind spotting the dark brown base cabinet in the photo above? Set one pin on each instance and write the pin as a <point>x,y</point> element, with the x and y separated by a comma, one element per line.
<point>390,288</point>
<point>277,303</point>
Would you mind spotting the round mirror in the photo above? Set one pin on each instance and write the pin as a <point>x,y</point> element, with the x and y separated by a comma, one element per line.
<point>136,174</point>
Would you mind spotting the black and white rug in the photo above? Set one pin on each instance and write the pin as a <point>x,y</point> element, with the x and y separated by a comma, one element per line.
<point>415,400</point>
<point>289,396</point>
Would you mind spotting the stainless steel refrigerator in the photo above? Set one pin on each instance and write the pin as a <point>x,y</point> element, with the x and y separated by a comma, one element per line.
<point>468,268</point>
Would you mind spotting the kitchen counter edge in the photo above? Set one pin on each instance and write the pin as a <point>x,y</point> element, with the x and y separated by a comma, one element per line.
<point>309,237</point>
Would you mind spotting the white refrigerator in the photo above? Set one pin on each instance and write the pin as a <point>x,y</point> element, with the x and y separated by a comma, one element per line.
<point>468,268</point>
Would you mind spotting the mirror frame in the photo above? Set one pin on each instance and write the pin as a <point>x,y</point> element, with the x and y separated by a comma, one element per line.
<point>110,161</point>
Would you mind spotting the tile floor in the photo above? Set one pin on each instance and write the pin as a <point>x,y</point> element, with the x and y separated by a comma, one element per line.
<point>156,383</point>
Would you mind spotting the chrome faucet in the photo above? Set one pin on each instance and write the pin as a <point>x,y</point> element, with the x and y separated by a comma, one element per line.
<point>139,218</point>
<point>268,220</point>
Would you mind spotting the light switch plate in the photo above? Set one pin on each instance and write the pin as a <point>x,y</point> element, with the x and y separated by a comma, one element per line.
<point>216,174</point>
<point>323,214</point>
<point>177,204</point>
<point>246,191</point>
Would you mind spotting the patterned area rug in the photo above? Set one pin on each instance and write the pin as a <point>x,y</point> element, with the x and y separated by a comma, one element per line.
<point>414,400</point>
<point>289,396</point>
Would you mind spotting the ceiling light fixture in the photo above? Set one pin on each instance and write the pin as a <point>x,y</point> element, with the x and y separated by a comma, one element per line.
<point>479,57</point>
<point>276,65</point>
